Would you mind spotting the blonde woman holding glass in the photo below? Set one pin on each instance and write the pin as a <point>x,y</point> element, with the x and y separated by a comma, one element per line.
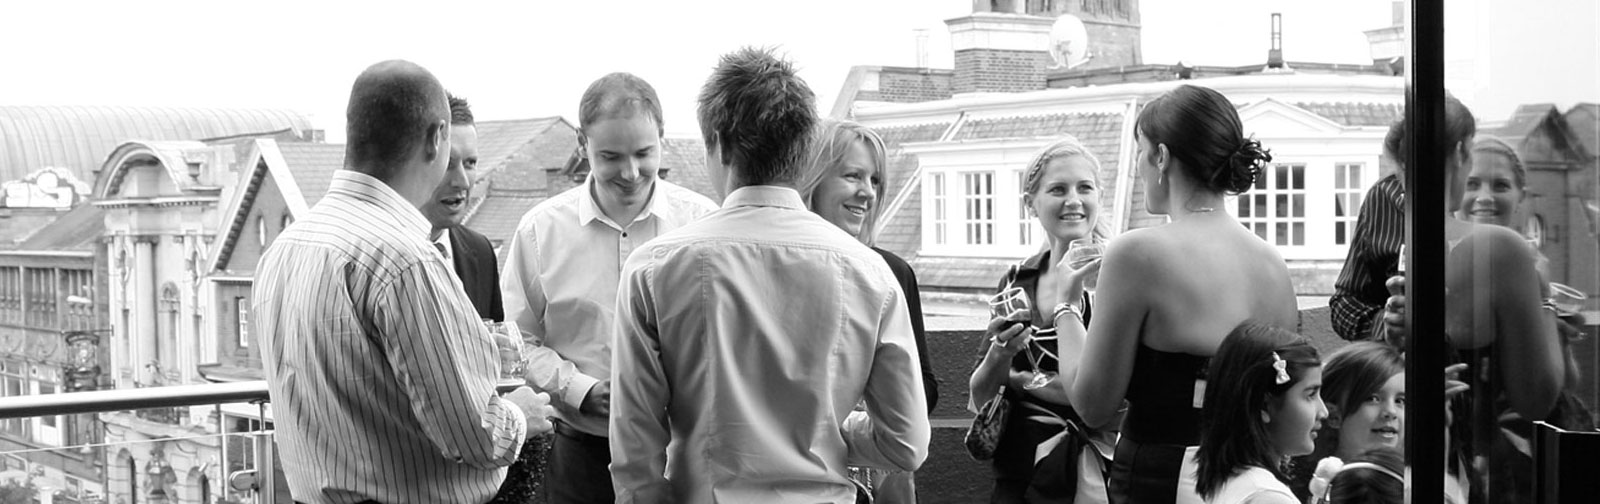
<point>1034,459</point>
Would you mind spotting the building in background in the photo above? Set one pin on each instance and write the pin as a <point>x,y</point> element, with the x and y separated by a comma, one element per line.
<point>55,308</point>
<point>961,136</point>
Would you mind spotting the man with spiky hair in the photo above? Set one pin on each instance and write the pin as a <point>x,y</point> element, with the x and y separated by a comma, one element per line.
<point>745,339</point>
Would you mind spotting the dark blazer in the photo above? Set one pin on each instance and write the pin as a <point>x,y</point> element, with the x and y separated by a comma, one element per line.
<point>480,276</point>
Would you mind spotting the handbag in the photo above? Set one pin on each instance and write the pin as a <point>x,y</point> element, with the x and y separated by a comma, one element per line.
<point>983,437</point>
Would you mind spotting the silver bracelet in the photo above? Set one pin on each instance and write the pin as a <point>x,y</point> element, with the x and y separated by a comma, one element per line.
<point>1067,308</point>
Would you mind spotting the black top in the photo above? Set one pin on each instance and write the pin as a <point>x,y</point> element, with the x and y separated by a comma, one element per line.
<point>1161,397</point>
<point>908,285</point>
<point>1014,455</point>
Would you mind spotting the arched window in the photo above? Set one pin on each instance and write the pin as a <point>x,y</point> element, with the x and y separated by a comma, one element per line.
<point>287,220</point>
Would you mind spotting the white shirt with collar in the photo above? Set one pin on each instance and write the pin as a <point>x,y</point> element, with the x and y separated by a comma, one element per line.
<point>560,286</point>
<point>744,341</point>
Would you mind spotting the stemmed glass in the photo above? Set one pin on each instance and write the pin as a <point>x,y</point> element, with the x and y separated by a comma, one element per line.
<point>1009,301</point>
<point>1080,253</point>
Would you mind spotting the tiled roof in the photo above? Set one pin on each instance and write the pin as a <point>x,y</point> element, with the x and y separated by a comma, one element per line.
<point>313,165</point>
<point>1357,114</point>
<point>894,136</point>
<point>79,138</point>
<point>504,153</point>
<point>1087,127</point>
<point>902,234</point>
<point>500,212</point>
<point>684,160</point>
<point>76,230</point>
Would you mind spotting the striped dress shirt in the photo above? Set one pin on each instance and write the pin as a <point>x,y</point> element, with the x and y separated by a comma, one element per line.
<point>744,340</point>
<point>1359,293</point>
<point>381,375</point>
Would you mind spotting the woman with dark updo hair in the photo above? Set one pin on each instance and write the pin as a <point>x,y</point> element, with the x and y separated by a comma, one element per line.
<point>1169,295</point>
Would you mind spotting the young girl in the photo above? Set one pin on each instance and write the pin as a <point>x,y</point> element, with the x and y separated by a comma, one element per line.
<point>1365,387</point>
<point>1262,406</point>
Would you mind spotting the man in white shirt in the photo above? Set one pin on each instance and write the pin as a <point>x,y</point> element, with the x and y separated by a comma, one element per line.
<point>560,279</point>
<point>382,377</point>
<point>745,339</point>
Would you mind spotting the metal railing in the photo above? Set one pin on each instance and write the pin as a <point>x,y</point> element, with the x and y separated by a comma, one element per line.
<point>260,480</point>
<point>167,399</point>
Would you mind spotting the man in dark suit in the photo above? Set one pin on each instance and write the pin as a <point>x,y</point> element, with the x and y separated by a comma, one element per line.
<point>467,250</point>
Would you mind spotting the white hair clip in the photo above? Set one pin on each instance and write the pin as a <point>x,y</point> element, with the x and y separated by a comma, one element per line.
<point>1283,368</point>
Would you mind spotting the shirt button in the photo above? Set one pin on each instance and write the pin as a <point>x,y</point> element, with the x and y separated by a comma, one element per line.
<point>624,235</point>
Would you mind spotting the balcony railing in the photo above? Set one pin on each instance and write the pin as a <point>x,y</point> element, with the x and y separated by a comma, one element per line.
<point>152,479</point>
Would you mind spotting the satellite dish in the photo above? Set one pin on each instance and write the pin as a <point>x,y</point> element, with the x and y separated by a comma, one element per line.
<point>1069,43</point>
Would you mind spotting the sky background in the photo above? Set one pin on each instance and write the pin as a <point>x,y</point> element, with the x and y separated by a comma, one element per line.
<point>534,58</point>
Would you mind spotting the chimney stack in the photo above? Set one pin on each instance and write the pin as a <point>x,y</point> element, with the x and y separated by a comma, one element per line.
<point>999,52</point>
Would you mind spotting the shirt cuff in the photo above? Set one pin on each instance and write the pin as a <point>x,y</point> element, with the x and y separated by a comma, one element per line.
<point>578,388</point>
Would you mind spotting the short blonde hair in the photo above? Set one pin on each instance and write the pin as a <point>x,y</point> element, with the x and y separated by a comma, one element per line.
<point>830,142</point>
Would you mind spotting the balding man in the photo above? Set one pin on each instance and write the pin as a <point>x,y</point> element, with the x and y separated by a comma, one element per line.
<point>382,377</point>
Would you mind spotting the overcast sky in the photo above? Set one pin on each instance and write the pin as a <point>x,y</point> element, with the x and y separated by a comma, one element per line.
<point>534,58</point>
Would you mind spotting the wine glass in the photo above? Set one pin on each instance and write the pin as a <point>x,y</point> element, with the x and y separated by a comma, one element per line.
<point>1080,253</point>
<point>508,342</point>
<point>1567,300</point>
<point>1002,305</point>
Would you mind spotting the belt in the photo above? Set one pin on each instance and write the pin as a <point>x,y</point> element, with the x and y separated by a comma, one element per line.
<point>565,429</point>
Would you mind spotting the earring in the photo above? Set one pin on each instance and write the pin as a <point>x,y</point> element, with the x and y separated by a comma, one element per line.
<point>1265,418</point>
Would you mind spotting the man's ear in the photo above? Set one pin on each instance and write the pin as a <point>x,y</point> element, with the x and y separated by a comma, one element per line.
<point>436,140</point>
<point>583,146</point>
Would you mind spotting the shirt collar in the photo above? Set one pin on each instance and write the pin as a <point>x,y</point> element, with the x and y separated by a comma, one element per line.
<point>444,244</point>
<point>589,208</point>
<point>765,195</point>
<point>380,194</point>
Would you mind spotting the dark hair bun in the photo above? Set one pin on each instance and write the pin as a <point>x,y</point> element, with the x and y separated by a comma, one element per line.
<point>1244,165</point>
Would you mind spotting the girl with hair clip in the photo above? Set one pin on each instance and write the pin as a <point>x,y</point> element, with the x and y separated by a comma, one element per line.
<point>1044,447</point>
<point>1375,476</point>
<point>1364,385</point>
<point>1170,294</point>
<point>1263,406</point>
<point>844,181</point>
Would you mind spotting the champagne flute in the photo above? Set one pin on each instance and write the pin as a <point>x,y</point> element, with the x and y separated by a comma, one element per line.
<point>1002,305</point>
<point>1080,253</point>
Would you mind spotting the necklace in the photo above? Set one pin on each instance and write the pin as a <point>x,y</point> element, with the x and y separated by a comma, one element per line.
<point>1204,210</point>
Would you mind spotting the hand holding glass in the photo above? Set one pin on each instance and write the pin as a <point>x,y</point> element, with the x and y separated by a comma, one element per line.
<point>1080,253</point>
<point>508,342</point>
<point>1002,305</point>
